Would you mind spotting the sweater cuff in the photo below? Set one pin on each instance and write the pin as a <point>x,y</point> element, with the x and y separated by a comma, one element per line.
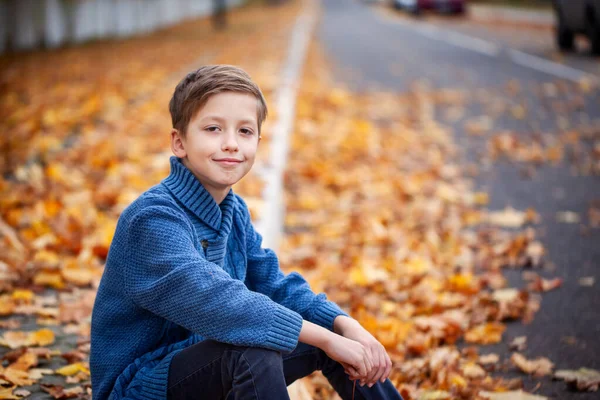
<point>326,313</point>
<point>285,330</point>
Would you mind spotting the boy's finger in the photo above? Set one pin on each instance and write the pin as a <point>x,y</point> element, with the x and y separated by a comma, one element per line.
<point>350,370</point>
<point>378,372</point>
<point>388,368</point>
<point>370,360</point>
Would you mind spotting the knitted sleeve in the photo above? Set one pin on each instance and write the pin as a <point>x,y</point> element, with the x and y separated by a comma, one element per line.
<point>167,276</point>
<point>292,291</point>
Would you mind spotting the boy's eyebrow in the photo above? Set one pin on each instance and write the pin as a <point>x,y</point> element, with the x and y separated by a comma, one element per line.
<point>219,119</point>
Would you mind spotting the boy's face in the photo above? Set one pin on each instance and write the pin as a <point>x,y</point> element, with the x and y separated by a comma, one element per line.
<point>221,141</point>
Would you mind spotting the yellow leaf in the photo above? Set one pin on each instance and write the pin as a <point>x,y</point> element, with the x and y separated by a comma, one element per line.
<point>46,258</point>
<point>7,393</point>
<point>457,381</point>
<point>43,337</point>
<point>488,333</point>
<point>72,369</point>
<point>78,276</point>
<point>481,198</point>
<point>49,278</point>
<point>7,305</point>
<point>357,276</point>
<point>465,283</point>
<point>22,294</point>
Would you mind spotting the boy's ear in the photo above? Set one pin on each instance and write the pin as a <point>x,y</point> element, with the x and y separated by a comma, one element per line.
<point>177,144</point>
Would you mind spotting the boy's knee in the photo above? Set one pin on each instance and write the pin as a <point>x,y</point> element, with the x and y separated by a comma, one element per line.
<point>266,357</point>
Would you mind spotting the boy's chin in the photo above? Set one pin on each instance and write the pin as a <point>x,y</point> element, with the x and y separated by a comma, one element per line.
<point>227,183</point>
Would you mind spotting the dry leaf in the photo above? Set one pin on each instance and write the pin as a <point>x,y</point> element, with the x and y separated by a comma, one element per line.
<point>567,217</point>
<point>518,344</point>
<point>487,333</point>
<point>587,281</point>
<point>72,369</point>
<point>514,395</point>
<point>539,367</point>
<point>7,393</point>
<point>508,218</point>
<point>583,379</point>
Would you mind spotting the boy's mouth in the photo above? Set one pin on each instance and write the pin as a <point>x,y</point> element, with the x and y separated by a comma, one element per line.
<point>228,161</point>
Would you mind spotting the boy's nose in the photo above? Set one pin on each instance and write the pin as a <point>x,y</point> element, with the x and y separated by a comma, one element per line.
<point>230,143</point>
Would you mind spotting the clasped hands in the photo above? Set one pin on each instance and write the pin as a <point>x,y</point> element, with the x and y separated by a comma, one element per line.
<point>362,356</point>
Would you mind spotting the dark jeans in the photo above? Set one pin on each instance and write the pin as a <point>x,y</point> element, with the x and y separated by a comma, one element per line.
<point>214,370</point>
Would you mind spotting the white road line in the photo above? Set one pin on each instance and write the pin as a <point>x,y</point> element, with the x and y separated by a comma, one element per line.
<point>549,67</point>
<point>457,39</point>
<point>270,226</point>
<point>471,43</point>
<point>488,48</point>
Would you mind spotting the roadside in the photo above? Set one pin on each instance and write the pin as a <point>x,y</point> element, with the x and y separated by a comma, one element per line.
<point>509,15</point>
<point>524,4</point>
<point>526,138</point>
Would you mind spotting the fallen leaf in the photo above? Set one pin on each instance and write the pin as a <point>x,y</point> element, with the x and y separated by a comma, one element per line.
<point>72,369</point>
<point>487,333</point>
<point>489,359</point>
<point>59,392</point>
<point>583,379</point>
<point>587,281</point>
<point>38,373</point>
<point>567,217</point>
<point>16,339</point>
<point>539,367</point>
<point>518,344</point>
<point>18,377</point>
<point>7,394</point>
<point>513,395</point>
<point>435,395</point>
<point>22,392</point>
<point>508,218</point>
<point>544,285</point>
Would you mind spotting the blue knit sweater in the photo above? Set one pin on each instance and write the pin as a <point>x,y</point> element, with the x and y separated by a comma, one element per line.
<point>182,268</point>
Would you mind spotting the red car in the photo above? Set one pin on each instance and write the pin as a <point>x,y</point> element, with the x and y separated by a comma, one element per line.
<point>416,6</point>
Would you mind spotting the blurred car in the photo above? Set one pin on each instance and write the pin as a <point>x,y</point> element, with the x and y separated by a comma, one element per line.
<point>574,17</point>
<point>416,6</point>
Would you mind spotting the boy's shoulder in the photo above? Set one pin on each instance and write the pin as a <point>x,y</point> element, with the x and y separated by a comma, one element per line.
<point>157,196</point>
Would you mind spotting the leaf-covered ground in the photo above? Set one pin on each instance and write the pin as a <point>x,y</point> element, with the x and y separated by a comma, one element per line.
<point>380,213</point>
<point>382,217</point>
<point>85,131</point>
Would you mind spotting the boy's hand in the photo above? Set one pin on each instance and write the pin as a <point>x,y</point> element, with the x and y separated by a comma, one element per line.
<point>351,354</point>
<point>382,365</point>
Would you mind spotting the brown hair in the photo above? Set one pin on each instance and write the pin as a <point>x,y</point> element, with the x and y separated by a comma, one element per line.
<point>195,89</point>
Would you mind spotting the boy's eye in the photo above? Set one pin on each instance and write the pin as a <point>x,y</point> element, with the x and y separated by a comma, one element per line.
<point>212,128</point>
<point>246,131</point>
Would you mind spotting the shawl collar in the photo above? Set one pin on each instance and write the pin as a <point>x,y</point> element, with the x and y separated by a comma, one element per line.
<point>186,188</point>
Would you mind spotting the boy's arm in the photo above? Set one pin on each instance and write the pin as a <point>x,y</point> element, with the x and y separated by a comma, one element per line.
<point>165,274</point>
<point>292,291</point>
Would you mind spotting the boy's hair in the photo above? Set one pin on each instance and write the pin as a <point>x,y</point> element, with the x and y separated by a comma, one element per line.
<point>195,89</point>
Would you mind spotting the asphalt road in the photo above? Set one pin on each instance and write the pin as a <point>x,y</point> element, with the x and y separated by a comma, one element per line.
<point>375,48</point>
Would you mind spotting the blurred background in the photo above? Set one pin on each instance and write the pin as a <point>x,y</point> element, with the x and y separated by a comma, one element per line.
<point>432,165</point>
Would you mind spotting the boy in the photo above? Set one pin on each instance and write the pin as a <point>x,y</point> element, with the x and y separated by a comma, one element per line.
<point>190,306</point>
